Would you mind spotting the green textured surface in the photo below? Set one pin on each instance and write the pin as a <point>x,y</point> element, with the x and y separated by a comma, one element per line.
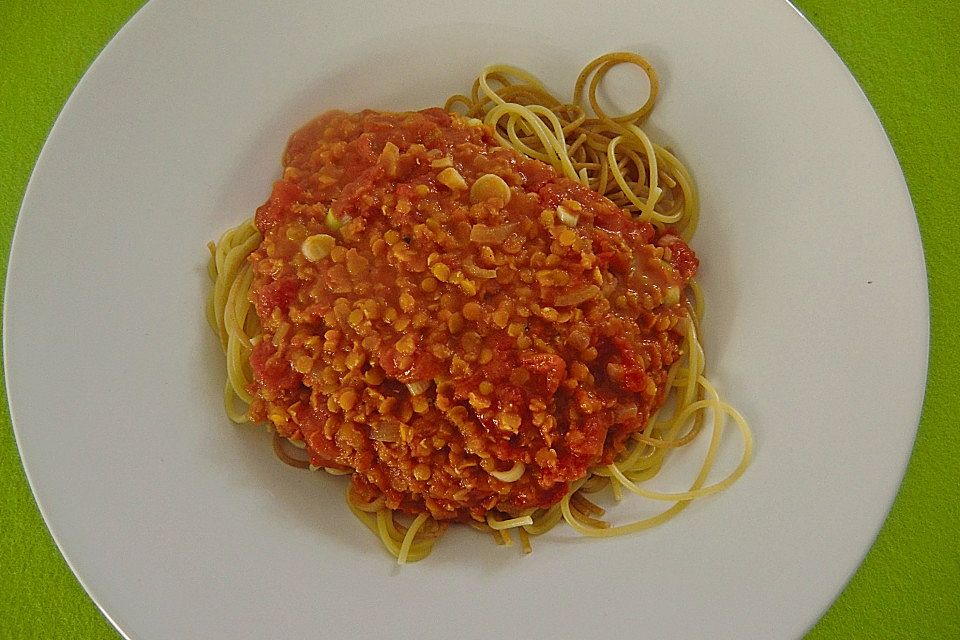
<point>906,55</point>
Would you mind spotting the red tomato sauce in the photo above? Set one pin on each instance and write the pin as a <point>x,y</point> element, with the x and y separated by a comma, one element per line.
<point>430,335</point>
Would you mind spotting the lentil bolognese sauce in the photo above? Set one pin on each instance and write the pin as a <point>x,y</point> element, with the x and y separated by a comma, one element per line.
<point>476,315</point>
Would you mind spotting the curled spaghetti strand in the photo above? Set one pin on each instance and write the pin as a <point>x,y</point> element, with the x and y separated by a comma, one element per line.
<point>610,154</point>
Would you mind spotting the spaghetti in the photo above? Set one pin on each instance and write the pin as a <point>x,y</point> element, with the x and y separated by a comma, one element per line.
<point>560,356</point>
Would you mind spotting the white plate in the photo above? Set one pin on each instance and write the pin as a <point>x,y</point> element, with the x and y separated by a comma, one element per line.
<point>181,525</point>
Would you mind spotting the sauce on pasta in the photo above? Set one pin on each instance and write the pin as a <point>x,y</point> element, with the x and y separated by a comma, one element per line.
<point>449,334</point>
<point>479,312</point>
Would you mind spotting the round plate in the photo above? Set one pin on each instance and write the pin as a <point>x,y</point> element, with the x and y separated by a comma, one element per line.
<point>181,525</point>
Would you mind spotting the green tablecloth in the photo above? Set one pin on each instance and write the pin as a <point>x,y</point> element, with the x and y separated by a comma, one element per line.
<point>906,55</point>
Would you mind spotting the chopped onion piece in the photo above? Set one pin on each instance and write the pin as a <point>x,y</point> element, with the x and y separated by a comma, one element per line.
<point>418,387</point>
<point>672,295</point>
<point>567,217</point>
<point>332,222</point>
<point>575,297</point>
<point>478,272</point>
<point>482,234</point>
